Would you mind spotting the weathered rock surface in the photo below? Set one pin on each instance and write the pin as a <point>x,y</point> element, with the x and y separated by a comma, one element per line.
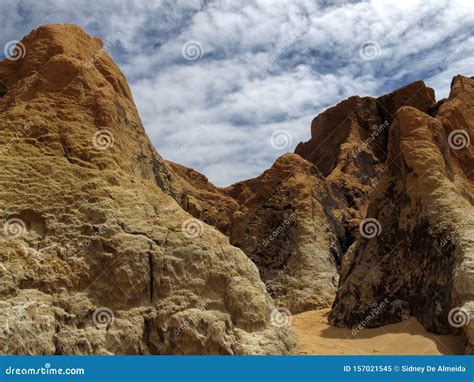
<point>96,258</point>
<point>283,221</point>
<point>202,199</point>
<point>349,145</point>
<point>419,258</point>
<point>102,251</point>
<point>286,225</point>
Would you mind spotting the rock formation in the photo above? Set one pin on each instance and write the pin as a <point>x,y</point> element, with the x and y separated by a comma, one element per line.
<point>96,257</point>
<point>286,225</point>
<point>283,220</point>
<point>202,199</point>
<point>349,145</point>
<point>109,249</point>
<point>415,255</point>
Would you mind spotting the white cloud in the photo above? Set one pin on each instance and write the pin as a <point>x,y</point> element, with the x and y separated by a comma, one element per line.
<point>266,65</point>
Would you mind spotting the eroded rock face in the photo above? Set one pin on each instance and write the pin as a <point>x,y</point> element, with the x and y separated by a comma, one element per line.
<point>349,145</point>
<point>419,259</point>
<point>202,199</point>
<point>283,220</point>
<point>96,257</point>
<point>286,225</point>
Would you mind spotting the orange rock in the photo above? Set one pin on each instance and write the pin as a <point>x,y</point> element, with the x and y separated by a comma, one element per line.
<point>420,258</point>
<point>349,144</point>
<point>96,257</point>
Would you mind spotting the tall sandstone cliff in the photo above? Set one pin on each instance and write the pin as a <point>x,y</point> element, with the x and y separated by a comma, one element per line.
<point>96,256</point>
<point>417,255</point>
<point>349,145</point>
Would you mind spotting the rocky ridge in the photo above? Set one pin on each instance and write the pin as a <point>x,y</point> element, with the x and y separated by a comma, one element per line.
<point>99,256</point>
<point>349,145</point>
<point>374,175</point>
<point>96,257</point>
<point>415,255</point>
<point>283,220</point>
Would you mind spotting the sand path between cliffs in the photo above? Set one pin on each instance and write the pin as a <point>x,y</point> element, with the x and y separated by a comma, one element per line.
<point>316,336</point>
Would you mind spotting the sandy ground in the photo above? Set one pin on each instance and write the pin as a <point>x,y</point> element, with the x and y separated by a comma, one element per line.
<point>316,336</point>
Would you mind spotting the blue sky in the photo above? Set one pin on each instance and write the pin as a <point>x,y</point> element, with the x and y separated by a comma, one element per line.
<point>225,87</point>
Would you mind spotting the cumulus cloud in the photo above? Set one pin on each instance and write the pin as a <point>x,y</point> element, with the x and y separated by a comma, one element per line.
<point>261,67</point>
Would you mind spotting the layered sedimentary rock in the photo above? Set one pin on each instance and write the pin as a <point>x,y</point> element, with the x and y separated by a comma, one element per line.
<point>283,220</point>
<point>349,145</point>
<point>416,253</point>
<point>96,257</point>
